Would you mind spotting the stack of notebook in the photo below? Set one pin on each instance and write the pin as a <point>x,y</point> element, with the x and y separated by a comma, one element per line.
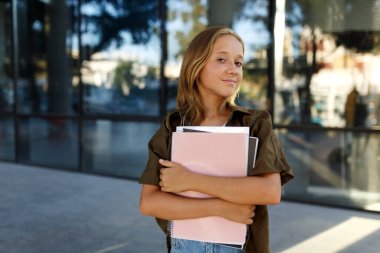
<point>217,151</point>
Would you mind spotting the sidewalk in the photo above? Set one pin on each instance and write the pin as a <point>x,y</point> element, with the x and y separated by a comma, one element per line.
<point>46,210</point>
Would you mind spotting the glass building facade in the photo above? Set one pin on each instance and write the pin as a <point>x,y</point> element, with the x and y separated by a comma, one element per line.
<point>84,84</point>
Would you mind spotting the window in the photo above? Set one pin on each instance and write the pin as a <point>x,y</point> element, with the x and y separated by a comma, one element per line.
<point>122,51</point>
<point>6,68</point>
<point>47,54</point>
<point>327,64</point>
<point>117,148</point>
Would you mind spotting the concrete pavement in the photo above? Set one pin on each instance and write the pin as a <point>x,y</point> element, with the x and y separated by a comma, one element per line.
<point>46,210</point>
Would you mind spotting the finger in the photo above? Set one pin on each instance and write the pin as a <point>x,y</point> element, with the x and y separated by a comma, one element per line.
<point>162,187</point>
<point>166,163</point>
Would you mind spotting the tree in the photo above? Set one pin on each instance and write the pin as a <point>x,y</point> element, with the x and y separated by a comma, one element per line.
<point>109,19</point>
<point>194,14</point>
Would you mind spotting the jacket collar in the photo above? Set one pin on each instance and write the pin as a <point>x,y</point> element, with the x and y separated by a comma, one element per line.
<point>237,109</point>
<point>173,118</point>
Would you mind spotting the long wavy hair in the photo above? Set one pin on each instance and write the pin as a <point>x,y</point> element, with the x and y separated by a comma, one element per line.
<point>199,51</point>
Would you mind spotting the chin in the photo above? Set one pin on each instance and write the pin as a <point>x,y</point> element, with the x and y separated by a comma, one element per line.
<point>227,96</point>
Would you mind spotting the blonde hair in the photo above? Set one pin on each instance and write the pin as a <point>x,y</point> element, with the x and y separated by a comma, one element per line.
<point>189,101</point>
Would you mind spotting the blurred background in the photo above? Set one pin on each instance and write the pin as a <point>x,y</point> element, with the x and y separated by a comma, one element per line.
<point>84,84</point>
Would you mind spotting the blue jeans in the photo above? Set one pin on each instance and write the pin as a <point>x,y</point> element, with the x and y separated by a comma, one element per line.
<point>187,246</point>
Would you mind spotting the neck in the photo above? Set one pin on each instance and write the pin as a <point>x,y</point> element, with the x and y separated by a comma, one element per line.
<point>215,108</point>
<point>216,114</point>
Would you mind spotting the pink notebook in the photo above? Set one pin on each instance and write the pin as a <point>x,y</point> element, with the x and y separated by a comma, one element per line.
<point>219,154</point>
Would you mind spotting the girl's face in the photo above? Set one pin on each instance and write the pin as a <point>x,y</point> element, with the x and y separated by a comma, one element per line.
<point>223,72</point>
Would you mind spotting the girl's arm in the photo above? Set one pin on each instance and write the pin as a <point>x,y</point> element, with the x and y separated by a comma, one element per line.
<point>254,190</point>
<point>168,206</point>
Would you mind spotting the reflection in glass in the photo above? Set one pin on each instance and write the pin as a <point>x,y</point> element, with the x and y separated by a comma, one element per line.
<point>250,22</point>
<point>121,49</point>
<point>185,20</point>
<point>47,52</point>
<point>7,141</point>
<point>52,142</point>
<point>6,82</point>
<point>327,72</point>
<point>337,168</point>
<point>117,148</point>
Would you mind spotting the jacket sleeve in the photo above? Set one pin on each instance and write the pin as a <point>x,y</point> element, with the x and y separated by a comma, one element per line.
<point>157,149</point>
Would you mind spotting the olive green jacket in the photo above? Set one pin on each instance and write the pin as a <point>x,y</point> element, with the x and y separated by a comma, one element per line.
<point>270,159</point>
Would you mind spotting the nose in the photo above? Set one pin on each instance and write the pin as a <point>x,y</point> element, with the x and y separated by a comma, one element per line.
<point>232,68</point>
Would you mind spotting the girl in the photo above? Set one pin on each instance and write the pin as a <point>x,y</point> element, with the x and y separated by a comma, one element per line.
<point>209,81</point>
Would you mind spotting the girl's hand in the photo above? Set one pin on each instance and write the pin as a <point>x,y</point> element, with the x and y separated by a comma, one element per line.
<point>174,177</point>
<point>237,212</point>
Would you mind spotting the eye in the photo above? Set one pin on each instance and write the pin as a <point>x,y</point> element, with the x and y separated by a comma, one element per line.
<point>239,64</point>
<point>222,60</point>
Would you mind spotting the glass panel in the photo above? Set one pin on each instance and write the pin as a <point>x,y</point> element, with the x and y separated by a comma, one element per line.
<point>7,141</point>
<point>117,148</point>
<point>187,18</point>
<point>336,168</point>
<point>250,21</point>
<point>49,142</point>
<point>47,52</point>
<point>6,82</point>
<point>327,58</point>
<point>122,52</point>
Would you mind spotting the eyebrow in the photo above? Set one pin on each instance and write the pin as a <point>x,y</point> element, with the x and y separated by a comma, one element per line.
<point>226,52</point>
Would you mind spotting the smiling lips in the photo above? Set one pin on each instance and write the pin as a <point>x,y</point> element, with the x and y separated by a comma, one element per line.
<point>229,81</point>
